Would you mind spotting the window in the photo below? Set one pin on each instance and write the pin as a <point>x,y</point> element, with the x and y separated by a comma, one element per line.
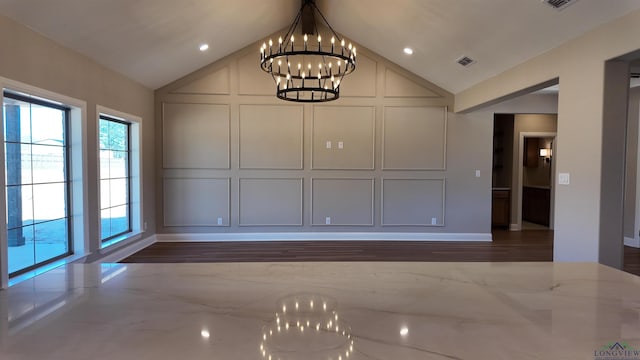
<point>115,177</point>
<point>37,181</point>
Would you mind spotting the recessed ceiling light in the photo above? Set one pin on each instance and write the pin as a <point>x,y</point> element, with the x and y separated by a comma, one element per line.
<point>404,331</point>
<point>204,47</point>
<point>408,50</point>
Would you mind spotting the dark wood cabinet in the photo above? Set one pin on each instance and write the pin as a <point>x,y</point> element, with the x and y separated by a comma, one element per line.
<point>536,203</point>
<point>531,152</point>
<point>501,208</point>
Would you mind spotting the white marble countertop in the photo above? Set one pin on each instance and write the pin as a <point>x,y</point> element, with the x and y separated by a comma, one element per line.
<point>322,310</point>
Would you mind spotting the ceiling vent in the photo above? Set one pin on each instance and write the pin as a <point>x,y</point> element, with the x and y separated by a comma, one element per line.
<point>559,4</point>
<point>635,75</point>
<point>465,61</point>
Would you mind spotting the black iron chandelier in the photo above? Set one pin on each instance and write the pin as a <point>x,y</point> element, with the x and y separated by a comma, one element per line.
<point>304,68</point>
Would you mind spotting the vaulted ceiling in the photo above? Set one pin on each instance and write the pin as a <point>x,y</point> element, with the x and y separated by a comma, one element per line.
<point>156,41</point>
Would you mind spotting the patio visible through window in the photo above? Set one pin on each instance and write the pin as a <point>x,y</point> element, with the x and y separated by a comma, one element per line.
<point>115,192</point>
<point>37,181</point>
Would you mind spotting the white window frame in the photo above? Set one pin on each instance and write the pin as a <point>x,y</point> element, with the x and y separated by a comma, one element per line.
<point>77,177</point>
<point>135,182</point>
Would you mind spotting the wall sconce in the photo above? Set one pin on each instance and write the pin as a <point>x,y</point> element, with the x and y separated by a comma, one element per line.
<point>546,154</point>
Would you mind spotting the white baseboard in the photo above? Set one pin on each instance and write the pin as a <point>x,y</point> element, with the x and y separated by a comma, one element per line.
<point>632,242</point>
<point>127,251</point>
<point>314,236</point>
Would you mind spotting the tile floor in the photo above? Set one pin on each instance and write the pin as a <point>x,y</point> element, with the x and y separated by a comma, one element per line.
<point>318,310</point>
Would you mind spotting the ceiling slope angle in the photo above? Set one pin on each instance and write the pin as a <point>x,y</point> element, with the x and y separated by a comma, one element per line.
<point>496,34</point>
<point>155,42</point>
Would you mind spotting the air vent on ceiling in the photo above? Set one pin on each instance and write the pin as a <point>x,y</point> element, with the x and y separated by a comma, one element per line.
<point>465,61</point>
<point>635,75</point>
<point>559,4</point>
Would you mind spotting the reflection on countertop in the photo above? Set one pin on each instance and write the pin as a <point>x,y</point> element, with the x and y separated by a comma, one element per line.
<point>309,325</point>
<point>385,310</point>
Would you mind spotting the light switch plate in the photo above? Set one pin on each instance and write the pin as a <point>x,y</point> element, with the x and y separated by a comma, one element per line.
<point>477,173</point>
<point>328,144</point>
<point>434,221</point>
<point>219,221</point>
<point>564,179</point>
<point>340,145</point>
<point>327,220</point>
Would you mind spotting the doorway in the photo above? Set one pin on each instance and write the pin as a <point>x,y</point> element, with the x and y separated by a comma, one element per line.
<point>536,179</point>
<point>510,176</point>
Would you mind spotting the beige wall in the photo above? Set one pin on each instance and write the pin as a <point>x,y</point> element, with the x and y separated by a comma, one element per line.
<point>36,61</point>
<point>579,65</point>
<point>407,164</point>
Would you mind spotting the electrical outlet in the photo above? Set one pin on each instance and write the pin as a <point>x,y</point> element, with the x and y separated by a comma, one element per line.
<point>219,221</point>
<point>328,145</point>
<point>340,145</point>
<point>477,173</point>
<point>327,220</point>
<point>434,221</point>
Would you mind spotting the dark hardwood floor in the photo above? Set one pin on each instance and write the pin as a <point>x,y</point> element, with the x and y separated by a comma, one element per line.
<point>507,246</point>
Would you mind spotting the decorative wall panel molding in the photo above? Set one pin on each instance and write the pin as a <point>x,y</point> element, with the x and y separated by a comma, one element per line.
<point>196,202</point>
<point>216,83</point>
<point>414,138</point>
<point>362,82</point>
<point>251,79</point>
<point>224,122</point>
<point>324,236</point>
<point>270,202</point>
<point>195,136</point>
<point>410,202</point>
<point>397,85</point>
<point>340,202</point>
<point>271,136</point>
<point>343,137</point>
